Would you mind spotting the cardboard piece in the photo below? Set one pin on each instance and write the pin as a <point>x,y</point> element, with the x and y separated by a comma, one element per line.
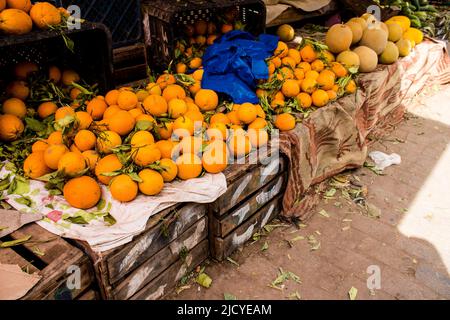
<point>14,283</point>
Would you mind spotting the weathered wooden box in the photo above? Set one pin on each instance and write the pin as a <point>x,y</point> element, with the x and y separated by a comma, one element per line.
<point>252,200</point>
<point>173,243</point>
<point>53,258</point>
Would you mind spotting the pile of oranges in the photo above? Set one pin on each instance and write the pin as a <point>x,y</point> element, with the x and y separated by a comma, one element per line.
<point>305,77</point>
<point>19,16</point>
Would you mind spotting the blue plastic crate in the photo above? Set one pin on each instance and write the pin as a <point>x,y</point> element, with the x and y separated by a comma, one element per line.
<point>122,17</point>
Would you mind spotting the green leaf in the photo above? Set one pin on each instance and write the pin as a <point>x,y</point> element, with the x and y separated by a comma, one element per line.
<point>135,177</point>
<point>22,185</point>
<point>26,201</point>
<point>324,213</point>
<point>101,204</point>
<point>265,246</point>
<point>204,280</point>
<point>233,262</point>
<point>112,174</point>
<point>13,243</point>
<point>352,293</point>
<point>76,220</point>
<point>229,296</point>
<point>144,125</point>
<point>109,219</point>
<point>35,125</point>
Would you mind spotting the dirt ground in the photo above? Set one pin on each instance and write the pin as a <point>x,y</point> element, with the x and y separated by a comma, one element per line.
<point>386,235</point>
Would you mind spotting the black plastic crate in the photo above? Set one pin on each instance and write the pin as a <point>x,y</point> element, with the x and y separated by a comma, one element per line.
<point>164,21</point>
<point>92,56</point>
<point>122,17</point>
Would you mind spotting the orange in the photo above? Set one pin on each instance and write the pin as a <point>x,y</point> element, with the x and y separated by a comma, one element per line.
<point>195,116</point>
<point>46,109</point>
<point>173,91</point>
<point>153,88</point>
<point>217,130</point>
<point>195,63</point>
<point>170,169</point>
<point>123,188</point>
<point>112,97</point>
<point>258,137</point>
<point>304,100</point>
<point>15,107</point>
<point>165,130</point>
<point>40,145</point>
<point>260,112</point>
<point>108,164</point>
<point>276,62</point>
<point>288,61</point>
<point>277,103</point>
<point>165,147</point>
<point>24,69</point>
<point>240,145</point>
<point>295,54</point>
<point>299,74</point>
<point>309,85</point>
<point>215,157</point>
<point>206,99</point>
<point>332,95</point>
<point>194,88</point>
<point>108,140</point>
<point>155,105</point>
<point>320,98</point>
<point>54,74</point>
<point>286,73</point>
<point>259,123</point>
<point>198,74</point>
<point>189,166</point>
<point>34,165</point>
<point>308,54</point>
<point>279,96</point>
<point>219,117</point>
<point>101,125</point>
<point>312,74</point>
<point>45,15</point>
<point>183,126</point>
<point>145,117</point>
<point>122,123</point>
<point>317,65</point>
<point>261,93</point>
<point>290,88</point>
<point>233,117</point>
<point>134,112</point>
<point>191,106</point>
<point>55,138</point>
<point>71,163</point>
<point>127,100</point>
<point>176,107</point>
<point>143,156</point>
<point>69,77</point>
<point>15,22</point>
<point>85,140</point>
<point>18,89</point>
<point>82,192</point>
<point>74,93</point>
<point>282,49</point>
<point>141,139</point>
<point>63,112</point>
<point>285,122</point>
<point>84,119</point>
<point>326,80</point>
<point>351,87</point>
<point>247,113</point>
<point>91,157</point>
<point>305,66</point>
<point>74,148</point>
<point>53,154</point>
<point>96,108</point>
<point>110,111</point>
<point>152,182</point>
<point>339,70</point>
<point>165,79</point>
<point>181,67</point>
<point>142,94</point>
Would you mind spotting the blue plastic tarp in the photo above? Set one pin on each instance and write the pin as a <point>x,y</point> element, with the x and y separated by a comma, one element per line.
<point>235,62</point>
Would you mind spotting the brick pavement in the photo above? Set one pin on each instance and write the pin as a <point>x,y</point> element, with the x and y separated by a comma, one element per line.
<point>409,242</point>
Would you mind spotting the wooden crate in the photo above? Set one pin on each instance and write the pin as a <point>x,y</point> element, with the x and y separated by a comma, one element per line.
<point>247,205</point>
<point>170,236</point>
<point>50,256</point>
<point>130,64</point>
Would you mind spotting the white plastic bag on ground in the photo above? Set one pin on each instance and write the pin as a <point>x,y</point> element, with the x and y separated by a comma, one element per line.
<point>383,160</point>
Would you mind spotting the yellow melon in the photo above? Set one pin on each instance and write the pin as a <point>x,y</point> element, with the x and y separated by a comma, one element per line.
<point>339,38</point>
